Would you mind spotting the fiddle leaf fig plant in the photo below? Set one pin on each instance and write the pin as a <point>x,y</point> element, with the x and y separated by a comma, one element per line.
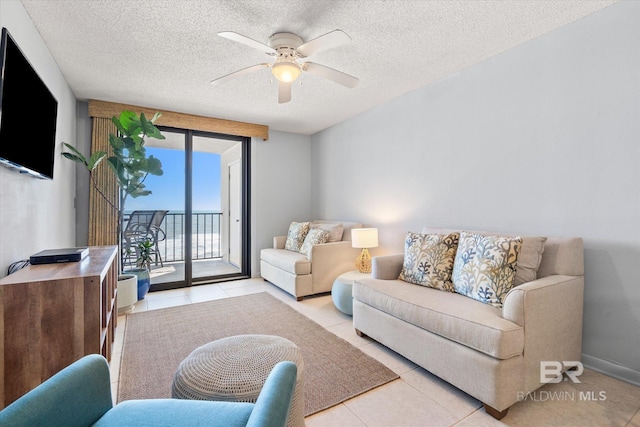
<point>129,161</point>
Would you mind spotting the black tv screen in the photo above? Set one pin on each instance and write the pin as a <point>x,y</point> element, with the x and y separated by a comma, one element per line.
<point>28,114</point>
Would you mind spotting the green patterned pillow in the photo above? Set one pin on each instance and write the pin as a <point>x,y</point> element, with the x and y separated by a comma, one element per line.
<point>295,237</point>
<point>315,236</point>
<point>428,260</point>
<point>485,266</point>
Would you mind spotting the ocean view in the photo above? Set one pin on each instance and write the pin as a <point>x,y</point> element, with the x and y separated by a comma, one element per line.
<point>205,235</point>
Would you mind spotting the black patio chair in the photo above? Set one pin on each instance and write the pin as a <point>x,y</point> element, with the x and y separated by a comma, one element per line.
<point>143,225</point>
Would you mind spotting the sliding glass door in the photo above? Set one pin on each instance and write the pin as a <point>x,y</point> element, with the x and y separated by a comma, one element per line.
<point>203,236</point>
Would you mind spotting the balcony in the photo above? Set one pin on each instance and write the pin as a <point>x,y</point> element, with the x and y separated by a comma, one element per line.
<point>206,248</point>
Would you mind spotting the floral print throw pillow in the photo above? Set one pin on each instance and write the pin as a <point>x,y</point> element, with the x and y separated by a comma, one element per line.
<point>485,267</point>
<point>315,236</point>
<point>295,237</point>
<point>428,260</point>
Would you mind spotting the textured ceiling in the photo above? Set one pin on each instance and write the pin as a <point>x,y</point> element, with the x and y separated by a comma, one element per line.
<point>164,53</point>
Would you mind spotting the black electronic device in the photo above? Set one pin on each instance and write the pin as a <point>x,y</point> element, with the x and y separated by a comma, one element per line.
<point>53,256</point>
<point>28,114</point>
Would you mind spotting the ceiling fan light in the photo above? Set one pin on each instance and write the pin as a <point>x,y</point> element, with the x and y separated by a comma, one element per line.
<point>286,72</point>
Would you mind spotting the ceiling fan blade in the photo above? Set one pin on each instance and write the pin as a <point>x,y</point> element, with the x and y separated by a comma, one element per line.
<point>284,92</point>
<point>247,41</point>
<point>333,39</point>
<point>238,73</point>
<point>331,74</point>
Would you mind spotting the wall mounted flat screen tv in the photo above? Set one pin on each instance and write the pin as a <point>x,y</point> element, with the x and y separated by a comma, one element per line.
<point>28,114</point>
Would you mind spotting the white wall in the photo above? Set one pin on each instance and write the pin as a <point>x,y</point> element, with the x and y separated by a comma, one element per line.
<point>280,183</point>
<point>543,139</point>
<point>38,214</point>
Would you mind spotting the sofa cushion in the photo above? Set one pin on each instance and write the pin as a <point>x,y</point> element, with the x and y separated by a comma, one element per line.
<point>289,261</point>
<point>450,315</point>
<point>428,260</point>
<point>177,412</point>
<point>485,266</point>
<point>335,230</point>
<point>529,259</point>
<point>295,236</point>
<point>315,236</point>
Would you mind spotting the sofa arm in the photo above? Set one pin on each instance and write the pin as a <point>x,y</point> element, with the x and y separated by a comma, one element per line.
<point>325,254</point>
<point>387,267</point>
<point>78,395</point>
<point>279,241</point>
<point>274,402</point>
<point>550,311</point>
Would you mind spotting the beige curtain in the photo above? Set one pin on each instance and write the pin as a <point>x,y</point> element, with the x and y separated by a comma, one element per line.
<point>103,217</point>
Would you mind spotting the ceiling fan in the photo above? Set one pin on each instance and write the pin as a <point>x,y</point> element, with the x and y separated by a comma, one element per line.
<point>288,49</point>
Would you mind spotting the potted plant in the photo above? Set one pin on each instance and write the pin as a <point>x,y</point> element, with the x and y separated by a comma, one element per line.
<point>129,160</point>
<point>144,255</point>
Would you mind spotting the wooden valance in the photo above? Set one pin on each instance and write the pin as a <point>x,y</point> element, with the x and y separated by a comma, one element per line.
<point>107,110</point>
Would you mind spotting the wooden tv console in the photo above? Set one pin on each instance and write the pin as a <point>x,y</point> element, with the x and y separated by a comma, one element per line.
<point>53,314</point>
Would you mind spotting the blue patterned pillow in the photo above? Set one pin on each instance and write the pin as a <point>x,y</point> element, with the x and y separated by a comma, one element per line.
<point>295,236</point>
<point>428,260</point>
<point>485,267</point>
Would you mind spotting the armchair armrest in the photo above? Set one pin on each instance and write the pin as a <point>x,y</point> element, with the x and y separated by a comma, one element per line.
<point>78,395</point>
<point>328,261</point>
<point>274,401</point>
<point>550,311</point>
<point>326,254</point>
<point>279,241</point>
<point>387,267</point>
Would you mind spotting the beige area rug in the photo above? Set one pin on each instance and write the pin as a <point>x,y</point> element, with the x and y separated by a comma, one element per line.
<point>155,342</point>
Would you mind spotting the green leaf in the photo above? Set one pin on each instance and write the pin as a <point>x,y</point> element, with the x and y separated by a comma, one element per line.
<point>74,149</point>
<point>129,143</point>
<point>154,166</point>
<point>75,155</point>
<point>118,168</point>
<point>75,158</point>
<point>95,159</point>
<point>140,193</point>
<point>128,120</point>
<point>116,142</point>
<point>155,133</point>
<point>119,126</point>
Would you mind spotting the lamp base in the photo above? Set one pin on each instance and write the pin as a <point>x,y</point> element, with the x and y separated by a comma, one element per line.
<point>363,263</point>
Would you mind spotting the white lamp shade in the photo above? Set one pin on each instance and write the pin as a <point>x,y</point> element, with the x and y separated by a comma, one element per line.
<point>286,72</point>
<point>364,237</point>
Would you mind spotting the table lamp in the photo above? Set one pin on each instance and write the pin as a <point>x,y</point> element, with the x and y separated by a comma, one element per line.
<point>364,238</point>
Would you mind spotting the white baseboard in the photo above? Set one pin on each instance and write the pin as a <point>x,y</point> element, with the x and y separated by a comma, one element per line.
<point>611,369</point>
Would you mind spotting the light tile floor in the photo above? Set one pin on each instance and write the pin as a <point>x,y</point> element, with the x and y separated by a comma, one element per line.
<point>419,398</point>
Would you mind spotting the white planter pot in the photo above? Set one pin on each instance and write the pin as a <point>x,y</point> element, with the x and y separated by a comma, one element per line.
<point>127,293</point>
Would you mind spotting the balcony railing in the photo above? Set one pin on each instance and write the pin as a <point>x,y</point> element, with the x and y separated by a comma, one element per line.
<point>205,244</point>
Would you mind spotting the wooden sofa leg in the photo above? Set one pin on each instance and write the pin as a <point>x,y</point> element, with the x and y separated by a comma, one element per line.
<point>360,333</point>
<point>498,415</point>
<point>299,298</point>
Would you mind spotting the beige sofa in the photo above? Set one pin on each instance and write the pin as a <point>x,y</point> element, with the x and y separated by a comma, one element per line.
<point>490,353</point>
<point>302,275</point>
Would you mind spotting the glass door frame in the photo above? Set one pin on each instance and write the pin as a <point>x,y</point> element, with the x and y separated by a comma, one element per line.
<point>245,197</point>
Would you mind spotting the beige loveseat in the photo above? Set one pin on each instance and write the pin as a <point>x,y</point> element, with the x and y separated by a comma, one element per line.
<point>301,274</point>
<point>490,353</point>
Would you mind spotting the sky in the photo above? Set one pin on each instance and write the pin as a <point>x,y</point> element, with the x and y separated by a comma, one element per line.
<point>168,190</point>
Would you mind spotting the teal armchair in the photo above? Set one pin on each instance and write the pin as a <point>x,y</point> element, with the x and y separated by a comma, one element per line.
<point>80,395</point>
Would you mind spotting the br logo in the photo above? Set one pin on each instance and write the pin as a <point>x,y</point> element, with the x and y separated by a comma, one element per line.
<point>551,371</point>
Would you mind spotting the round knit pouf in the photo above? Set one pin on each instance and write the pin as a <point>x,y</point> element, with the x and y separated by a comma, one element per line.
<point>235,369</point>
